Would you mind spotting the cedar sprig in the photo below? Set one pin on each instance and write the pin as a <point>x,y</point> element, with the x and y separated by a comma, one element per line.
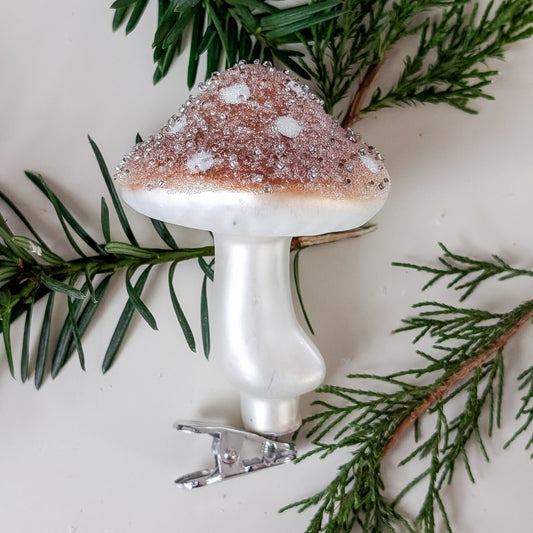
<point>525,413</point>
<point>458,389</point>
<point>355,47</point>
<point>465,272</point>
<point>450,64</point>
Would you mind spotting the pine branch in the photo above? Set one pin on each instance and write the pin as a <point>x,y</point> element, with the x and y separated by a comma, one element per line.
<point>226,31</point>
<point>465,365</point>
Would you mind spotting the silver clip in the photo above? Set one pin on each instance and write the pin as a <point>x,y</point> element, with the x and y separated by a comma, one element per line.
<point>235,451</point>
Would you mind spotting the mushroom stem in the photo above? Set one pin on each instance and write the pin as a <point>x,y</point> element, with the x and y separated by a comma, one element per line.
<point>256,337</point>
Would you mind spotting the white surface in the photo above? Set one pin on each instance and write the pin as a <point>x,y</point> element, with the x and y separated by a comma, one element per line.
<point>256,337</point>
<point>91,453</point>
<point>276,214</point>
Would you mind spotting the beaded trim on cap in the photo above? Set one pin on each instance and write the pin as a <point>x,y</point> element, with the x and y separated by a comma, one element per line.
<point>256,129</point>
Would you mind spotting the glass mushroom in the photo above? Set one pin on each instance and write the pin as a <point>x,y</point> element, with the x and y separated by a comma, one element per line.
<point>255,159</point>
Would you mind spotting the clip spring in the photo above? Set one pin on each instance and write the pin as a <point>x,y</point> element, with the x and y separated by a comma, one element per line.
<point>235,452</point>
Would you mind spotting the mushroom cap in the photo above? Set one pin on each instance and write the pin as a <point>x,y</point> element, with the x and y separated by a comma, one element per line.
<point>254,153</point>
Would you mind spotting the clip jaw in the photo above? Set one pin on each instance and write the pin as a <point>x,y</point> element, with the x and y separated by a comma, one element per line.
<point>235,451</point>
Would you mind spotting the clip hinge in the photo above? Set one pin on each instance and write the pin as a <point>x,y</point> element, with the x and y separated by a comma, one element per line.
<point>235,452</point>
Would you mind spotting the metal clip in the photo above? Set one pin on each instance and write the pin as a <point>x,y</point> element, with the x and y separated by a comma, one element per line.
<point>235,451</point>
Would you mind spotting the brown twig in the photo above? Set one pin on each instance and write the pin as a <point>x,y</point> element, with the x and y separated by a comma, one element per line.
<point>444,388</point>
<point>313,240</point>
<point>354,109</point>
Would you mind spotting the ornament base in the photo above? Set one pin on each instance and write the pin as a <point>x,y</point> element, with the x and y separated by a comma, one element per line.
<point>270,416</point>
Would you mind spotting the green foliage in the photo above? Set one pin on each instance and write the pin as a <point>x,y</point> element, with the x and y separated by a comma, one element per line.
<point>30,271</point>
<point>467,273</point>
<point>296,276</point>
<point>448,66</point>
<point>348,43</point>
<point>525,413</point>
<point>226,31</point>
<point>458,388</point>
<point>450,62</point>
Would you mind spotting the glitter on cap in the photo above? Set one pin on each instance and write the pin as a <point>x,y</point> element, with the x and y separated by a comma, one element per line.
<point>249,131</point>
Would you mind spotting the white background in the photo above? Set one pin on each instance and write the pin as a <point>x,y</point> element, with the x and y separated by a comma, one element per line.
<point>92,453</point>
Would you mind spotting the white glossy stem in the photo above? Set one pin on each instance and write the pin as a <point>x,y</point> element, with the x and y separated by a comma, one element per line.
<point>256,337</point>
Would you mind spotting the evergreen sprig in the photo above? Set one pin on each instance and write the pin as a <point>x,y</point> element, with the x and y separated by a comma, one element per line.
<point>30,271</point>
<point>449,65</point>
<point>226,31</point>
<point>450,62</point>
<point>466,273</point>
<point>347,44</point>
<point>525,413</point>
<point>458,388</point>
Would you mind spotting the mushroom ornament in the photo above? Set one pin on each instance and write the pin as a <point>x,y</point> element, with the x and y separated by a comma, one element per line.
<point>254,158</point>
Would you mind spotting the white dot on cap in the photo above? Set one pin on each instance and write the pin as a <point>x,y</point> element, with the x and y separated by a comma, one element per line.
<point>369,163</point>
<point>200,162</point>
<point>288,127</point>
<point>178,125</point>
<point>235,94</point>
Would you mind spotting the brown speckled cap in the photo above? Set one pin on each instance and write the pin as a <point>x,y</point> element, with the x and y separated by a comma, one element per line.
<point>253,137</point>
